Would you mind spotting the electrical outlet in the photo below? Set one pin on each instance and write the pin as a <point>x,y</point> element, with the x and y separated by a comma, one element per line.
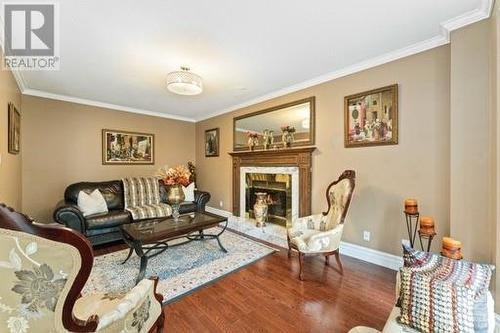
<point>366,235</point>
<point>221,204</point>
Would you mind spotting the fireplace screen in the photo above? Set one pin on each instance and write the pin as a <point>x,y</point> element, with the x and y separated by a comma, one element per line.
<point>278,189</point>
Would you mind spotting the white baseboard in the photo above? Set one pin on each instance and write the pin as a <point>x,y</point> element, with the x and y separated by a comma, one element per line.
<point>372,256</point>
<point>497,323</point>
<point>352,250</point>
<point>217,211</point>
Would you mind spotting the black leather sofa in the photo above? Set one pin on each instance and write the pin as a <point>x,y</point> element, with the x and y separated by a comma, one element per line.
<point>104,228</point>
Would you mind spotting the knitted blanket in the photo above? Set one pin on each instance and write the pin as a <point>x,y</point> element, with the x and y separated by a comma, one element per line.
<point>439,294</point>
<point>142,198</point>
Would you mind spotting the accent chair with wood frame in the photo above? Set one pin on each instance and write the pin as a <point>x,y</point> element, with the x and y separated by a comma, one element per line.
<point>45,267</point>
<point>321,234</point>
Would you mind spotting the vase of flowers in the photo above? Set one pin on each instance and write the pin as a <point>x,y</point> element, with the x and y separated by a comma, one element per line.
<point>287,135</point>
<point>174,179</point>
<point>253,140</point>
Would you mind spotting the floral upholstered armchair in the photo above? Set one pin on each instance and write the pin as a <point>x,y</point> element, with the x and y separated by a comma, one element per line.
<point>321,233</point>
<point>43,269</point>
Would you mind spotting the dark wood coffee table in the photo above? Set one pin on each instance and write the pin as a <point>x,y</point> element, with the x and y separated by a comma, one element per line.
<point>149,238</point>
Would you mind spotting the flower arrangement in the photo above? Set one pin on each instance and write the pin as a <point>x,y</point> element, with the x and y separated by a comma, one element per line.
<point>252,135</point>
<point>175,176</point>
<point>288,128</point>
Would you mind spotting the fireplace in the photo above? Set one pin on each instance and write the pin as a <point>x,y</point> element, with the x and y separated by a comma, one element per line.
<point>263,166</point>
<point>281,186</point>
<point>278,190</point>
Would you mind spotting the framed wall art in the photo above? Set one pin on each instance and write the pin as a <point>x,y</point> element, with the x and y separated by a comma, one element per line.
<point>122,147</point>
<point>212,142</point>
<point>371,118</point>
<point>14,130</point>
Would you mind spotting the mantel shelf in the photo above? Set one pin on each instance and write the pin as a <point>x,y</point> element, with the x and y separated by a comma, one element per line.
<point>284,151</point>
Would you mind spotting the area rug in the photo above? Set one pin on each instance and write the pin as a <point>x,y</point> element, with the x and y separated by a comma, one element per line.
<point>182,269</point>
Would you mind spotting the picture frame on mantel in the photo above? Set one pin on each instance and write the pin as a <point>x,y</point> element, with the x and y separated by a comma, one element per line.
<point>371,118</point>
<point>212,142</point>
<point>127,148</point>
<point>14,130</point>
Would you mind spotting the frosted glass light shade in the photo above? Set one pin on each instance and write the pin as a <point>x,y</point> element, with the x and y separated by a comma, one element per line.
<point>184,83</point>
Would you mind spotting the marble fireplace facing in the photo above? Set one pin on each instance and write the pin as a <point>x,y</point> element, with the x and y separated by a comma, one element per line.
<point>281,184</point>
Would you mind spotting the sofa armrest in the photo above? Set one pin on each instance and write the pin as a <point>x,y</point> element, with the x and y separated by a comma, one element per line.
<point>70,216</point>
<point>201,198</point>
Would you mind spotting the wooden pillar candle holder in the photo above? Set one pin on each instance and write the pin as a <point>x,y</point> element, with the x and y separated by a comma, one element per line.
<point>451,248</point>
<point>426,231</point>
<point>412,218</point>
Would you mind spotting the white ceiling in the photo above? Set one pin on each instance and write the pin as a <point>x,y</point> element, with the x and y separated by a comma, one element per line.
<point>117,53</point>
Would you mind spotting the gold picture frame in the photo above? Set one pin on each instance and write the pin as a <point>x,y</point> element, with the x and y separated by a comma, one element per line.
<point>127,148</point>
<point>371,118</point>
<point>14,124</point>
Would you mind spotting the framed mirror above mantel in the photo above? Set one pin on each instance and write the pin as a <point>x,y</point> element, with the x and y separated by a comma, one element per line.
<point>265,127</point>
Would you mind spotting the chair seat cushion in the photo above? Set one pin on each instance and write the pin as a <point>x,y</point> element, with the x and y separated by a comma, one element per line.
<point>111,219</point>
<point>303,242</point>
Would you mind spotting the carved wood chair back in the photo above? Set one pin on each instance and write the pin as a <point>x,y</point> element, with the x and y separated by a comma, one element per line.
<point>339,195</point>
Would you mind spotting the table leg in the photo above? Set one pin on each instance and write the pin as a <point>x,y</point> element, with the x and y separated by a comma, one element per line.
<point>130,251</point>
<point>220,244</point>
<point>144,261</point>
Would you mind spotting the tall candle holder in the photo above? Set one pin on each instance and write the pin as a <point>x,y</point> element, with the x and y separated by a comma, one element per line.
<point>427,237</point>
<point>412,226</point>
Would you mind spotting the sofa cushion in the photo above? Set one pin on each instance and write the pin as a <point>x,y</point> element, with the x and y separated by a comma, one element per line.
<point>92,203</point>
<point>111,219</point>
<point>112,191</point>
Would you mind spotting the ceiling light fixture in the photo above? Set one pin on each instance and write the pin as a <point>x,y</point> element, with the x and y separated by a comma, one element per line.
<point>184,82</point>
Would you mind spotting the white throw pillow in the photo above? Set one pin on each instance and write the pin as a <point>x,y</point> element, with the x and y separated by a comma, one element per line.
<point>92,204</point>
<point>189,192</point>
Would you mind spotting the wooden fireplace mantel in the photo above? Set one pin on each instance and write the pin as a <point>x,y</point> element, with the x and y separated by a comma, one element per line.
<point>291,157</point>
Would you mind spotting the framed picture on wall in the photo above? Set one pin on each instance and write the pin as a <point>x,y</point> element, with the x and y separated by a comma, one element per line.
<point>122,147</point>
<point>14,130</point>
<point>371,118</point>
<point>212,142</point>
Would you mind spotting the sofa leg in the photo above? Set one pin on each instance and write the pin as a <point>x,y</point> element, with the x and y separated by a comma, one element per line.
<point>301,264</point>
<point>339,263</point>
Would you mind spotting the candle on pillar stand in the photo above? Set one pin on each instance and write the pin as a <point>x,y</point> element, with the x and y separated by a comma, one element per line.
<point>411,206</point>
<point>452,248</point>
<point>427,226</point>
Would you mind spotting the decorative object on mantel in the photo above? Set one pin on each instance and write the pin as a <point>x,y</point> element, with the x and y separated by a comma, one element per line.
<point>426,231</point>
<point>267,139</point>
<point>212,142</point>
<point>14,137</point>
<point>452,248</point>
<point>287,135</point>
<point>411,217</point>
<point>122,147</point>
<point>298,114</point>
<point>253,140</point>
<point>174,179</point>
<point>371,118</point>
<point>184,82</point>
<point>260,209</point>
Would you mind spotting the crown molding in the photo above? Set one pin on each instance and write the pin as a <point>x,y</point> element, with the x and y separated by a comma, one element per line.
<point>65,98</point>
<point>482,12</point>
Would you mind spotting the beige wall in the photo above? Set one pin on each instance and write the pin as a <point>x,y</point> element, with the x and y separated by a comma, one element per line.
<point>417,167</point>
<point>471,141</point>
<point>10,165</point>
<point>62,145</point>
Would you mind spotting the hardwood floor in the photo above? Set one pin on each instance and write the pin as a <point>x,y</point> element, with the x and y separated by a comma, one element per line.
<point>269,297</point>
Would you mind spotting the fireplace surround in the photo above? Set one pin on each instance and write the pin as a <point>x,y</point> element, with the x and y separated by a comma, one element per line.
<point>294,161</point>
